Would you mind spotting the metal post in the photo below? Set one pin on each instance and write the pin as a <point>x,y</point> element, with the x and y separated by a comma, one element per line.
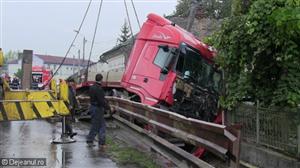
<point>257,122</point>
<point>63,126</point>
<point>64,138</point>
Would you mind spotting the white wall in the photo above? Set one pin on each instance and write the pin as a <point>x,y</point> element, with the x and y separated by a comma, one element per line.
<point>64,72</point>
<point>116,62</point>
<point>114,66</point>
<point>37,61</point>
<point>13,68</point>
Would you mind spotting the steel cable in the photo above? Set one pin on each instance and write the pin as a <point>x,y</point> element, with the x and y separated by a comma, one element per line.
<point>128,18</point>
<point>93,41</point>
<point>136,16</point>
<point>68,51</point>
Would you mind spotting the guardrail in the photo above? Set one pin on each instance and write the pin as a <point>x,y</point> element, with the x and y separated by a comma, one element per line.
<point>223,141</point>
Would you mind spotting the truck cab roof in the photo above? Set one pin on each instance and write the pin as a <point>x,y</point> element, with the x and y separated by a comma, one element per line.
<point>157,28</point>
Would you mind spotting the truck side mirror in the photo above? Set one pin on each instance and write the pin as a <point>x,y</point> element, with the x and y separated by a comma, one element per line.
<point>187,75</point>
<point>164,70</point>
<point>182,48</point>
<point>164,47</point>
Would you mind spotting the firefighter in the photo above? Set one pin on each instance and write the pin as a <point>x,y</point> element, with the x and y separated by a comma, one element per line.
<point>97,106</point>
<point>72,106</point>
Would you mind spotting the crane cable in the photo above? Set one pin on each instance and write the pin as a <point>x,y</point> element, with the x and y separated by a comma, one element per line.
<point>128,18</point>
<point>93,41</point>
<point>136,16</point>
<point>72,44</point>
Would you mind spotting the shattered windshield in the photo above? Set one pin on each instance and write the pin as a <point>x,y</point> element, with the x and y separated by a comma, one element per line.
<point>192,66</point>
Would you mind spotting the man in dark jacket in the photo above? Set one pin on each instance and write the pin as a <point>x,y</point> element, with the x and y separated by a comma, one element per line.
<point>98,104</point>
<point>73,104</point>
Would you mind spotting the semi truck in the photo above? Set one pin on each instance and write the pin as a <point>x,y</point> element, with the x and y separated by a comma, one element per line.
<point>168,68</point>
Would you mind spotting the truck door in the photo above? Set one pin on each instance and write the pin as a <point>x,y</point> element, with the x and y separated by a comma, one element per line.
<point>152,69</point>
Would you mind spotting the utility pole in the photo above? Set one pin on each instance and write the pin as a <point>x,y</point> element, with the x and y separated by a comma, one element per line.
<point>83,48</point>
<point>193,10</point>
<point>73,67</point>
<point>78,65</point>
<point>83,55</point>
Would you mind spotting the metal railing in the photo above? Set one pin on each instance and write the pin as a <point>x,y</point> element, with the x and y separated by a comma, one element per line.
<point>276,128</point>
<point>223,141</point>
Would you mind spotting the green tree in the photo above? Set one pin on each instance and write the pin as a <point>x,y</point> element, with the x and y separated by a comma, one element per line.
<point>260,53</point>
<point>19,73</point>
<point>217,9</point>
<point>11,55</point>
<point>239,7</point>
<point>182,8</point>
<point>125,34</point>
<point>207,8</point>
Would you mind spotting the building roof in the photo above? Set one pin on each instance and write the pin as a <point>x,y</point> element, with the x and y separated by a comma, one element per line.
<point>123,48</point>
<point>15,61</point>
<point>50,59</point>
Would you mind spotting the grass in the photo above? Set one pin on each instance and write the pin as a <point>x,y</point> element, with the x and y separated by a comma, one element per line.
<point>129,156</point>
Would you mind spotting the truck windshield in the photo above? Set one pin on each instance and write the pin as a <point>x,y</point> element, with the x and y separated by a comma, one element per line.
<point>192,66</point>
<point>37,78</point>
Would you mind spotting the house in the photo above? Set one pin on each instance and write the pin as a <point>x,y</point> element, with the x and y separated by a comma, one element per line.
<point>69,67</point>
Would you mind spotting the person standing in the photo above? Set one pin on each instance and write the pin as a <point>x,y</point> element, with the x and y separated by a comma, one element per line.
<point>72,106</point>
<point>97,106</point>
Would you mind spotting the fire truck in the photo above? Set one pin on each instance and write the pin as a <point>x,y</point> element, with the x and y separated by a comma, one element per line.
<point>40,77</point>
<point>168,67</point>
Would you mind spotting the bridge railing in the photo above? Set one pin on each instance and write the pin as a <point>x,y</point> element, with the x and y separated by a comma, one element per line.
<point>223,141</point>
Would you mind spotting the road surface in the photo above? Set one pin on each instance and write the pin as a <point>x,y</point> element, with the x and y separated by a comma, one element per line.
<point>32,139</point>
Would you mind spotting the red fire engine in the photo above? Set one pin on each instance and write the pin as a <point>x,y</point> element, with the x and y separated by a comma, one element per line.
<point>40,76</point>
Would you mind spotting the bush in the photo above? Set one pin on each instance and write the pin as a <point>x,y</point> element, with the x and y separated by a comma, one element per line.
<point>260,54</point>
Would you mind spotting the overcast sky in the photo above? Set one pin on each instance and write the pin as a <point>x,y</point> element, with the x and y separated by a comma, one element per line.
<point>47,26</point>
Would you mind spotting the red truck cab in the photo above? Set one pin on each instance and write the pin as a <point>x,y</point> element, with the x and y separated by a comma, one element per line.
<point>158,59</point>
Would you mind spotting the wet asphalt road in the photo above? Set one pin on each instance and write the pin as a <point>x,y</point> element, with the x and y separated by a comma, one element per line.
<point>32,139</point>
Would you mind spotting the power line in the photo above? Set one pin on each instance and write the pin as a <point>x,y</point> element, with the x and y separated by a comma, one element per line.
<point>95,31</point>
<point>77,32</point>
<point>127,13</point>
<point>136,16</point>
